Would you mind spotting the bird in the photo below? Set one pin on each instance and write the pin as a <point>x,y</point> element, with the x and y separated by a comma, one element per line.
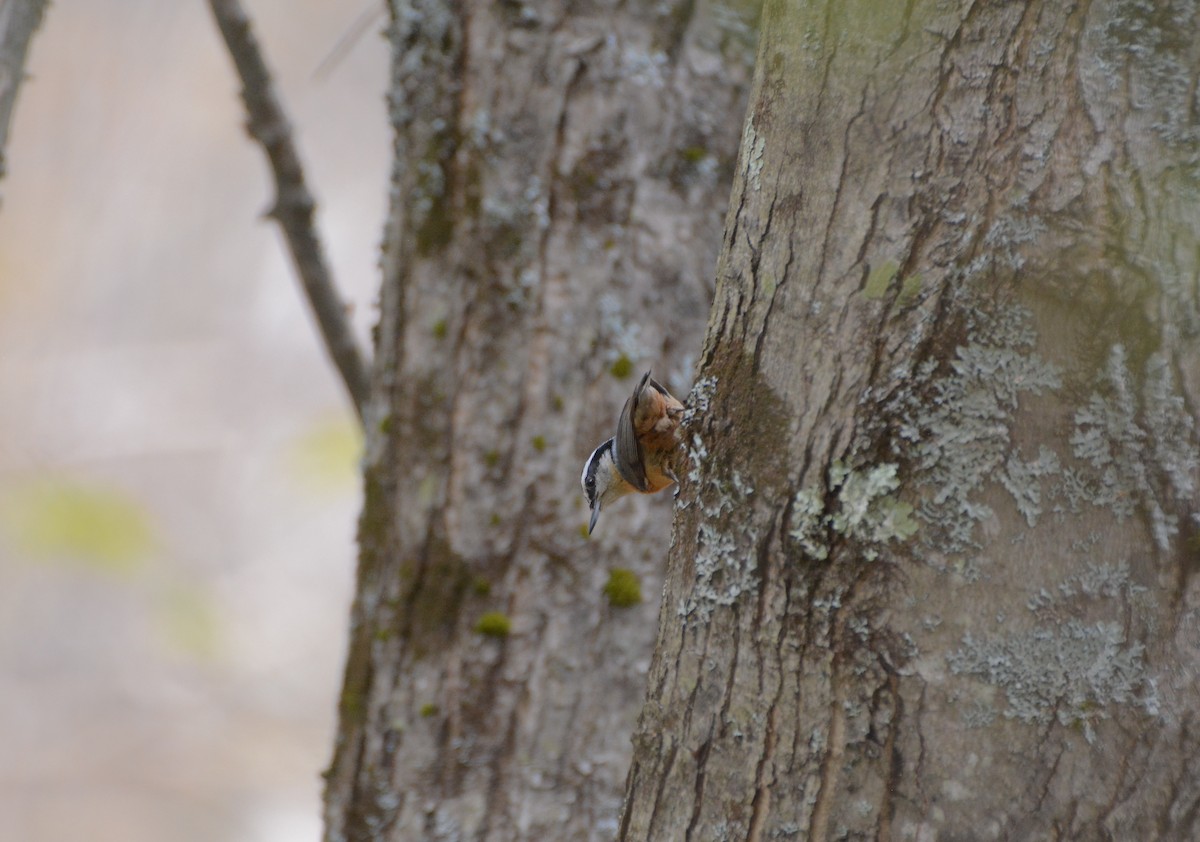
<point>641,456</point>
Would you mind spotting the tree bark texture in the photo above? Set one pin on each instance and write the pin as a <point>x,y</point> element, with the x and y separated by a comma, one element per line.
<point>933,565</point>
<point>561,178</point>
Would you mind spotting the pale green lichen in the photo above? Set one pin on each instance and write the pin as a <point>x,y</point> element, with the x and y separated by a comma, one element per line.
<point>1069,672</point>
<point>1062,668</point>
<point>1096,581</point>
<point>1147,46</point>
<point>864,510</point>
<point>910,288</point>
<point>753,146</point>
<point>699,399</point>
<point>724,568</point>
<point>1171,428</point>
<point>1022,480</point>
<point>956,427</point>
<point>808,523</point>
<point>1009,233</point>
<point>723,572</point>
<point>1122,441</point>
<point>696,454</point>
<point>867,509</point>
<point>879,279</point>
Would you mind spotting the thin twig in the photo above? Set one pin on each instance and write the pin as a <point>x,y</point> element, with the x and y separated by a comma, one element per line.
<point>293,208</point>
<point>347,41</point>
<point>18,20</point>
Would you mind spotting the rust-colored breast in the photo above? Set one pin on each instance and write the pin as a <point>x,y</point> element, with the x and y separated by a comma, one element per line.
<point>656,418</point>
<point>647,437</point>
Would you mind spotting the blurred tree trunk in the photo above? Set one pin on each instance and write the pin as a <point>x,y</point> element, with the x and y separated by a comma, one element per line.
<point>933,564</point>
<point>561,176</point>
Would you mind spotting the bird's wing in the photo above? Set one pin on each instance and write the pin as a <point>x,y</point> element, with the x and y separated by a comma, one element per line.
<point>627,452</point>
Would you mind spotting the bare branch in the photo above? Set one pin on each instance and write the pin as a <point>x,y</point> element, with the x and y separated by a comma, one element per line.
<point>18,20</point>
<point>294,205</point>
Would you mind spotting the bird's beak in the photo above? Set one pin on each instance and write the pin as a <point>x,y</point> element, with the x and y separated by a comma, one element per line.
<point>595,515</point>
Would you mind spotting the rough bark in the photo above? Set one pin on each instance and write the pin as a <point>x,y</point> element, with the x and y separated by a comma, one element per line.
<point>19,19</point>
<point>932,568</point>
<point>562,172</point>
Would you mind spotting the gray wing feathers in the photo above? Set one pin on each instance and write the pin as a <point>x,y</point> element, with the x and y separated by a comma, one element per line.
<point>626,452</point>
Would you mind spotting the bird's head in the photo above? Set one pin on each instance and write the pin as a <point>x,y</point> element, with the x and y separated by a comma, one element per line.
<point>602,482</point>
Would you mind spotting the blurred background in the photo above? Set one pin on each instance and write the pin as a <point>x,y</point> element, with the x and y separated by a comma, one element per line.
<point>178,465</point>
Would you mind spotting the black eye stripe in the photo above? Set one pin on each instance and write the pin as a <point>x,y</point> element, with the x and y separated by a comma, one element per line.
<point>592,466</point>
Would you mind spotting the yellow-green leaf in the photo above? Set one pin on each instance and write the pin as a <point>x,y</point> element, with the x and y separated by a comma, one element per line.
<point>59,519</point>
<point>326,455</point>
<point>190,621</point>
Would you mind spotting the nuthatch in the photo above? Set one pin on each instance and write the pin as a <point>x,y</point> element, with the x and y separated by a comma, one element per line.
<point>640,457</point>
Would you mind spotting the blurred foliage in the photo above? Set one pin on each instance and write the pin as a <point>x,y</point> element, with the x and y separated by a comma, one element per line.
<point>325,456</point>
<point>62,519</point>
<point>189,619</point>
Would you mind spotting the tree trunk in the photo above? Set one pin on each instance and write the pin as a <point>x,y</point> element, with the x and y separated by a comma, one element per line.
<point>931,575</point>
<point>561,176</point>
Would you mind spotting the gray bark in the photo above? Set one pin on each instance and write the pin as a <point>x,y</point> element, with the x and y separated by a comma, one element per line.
<point>19,19</point>
<point>562,172</point>
<point>932,568</point>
